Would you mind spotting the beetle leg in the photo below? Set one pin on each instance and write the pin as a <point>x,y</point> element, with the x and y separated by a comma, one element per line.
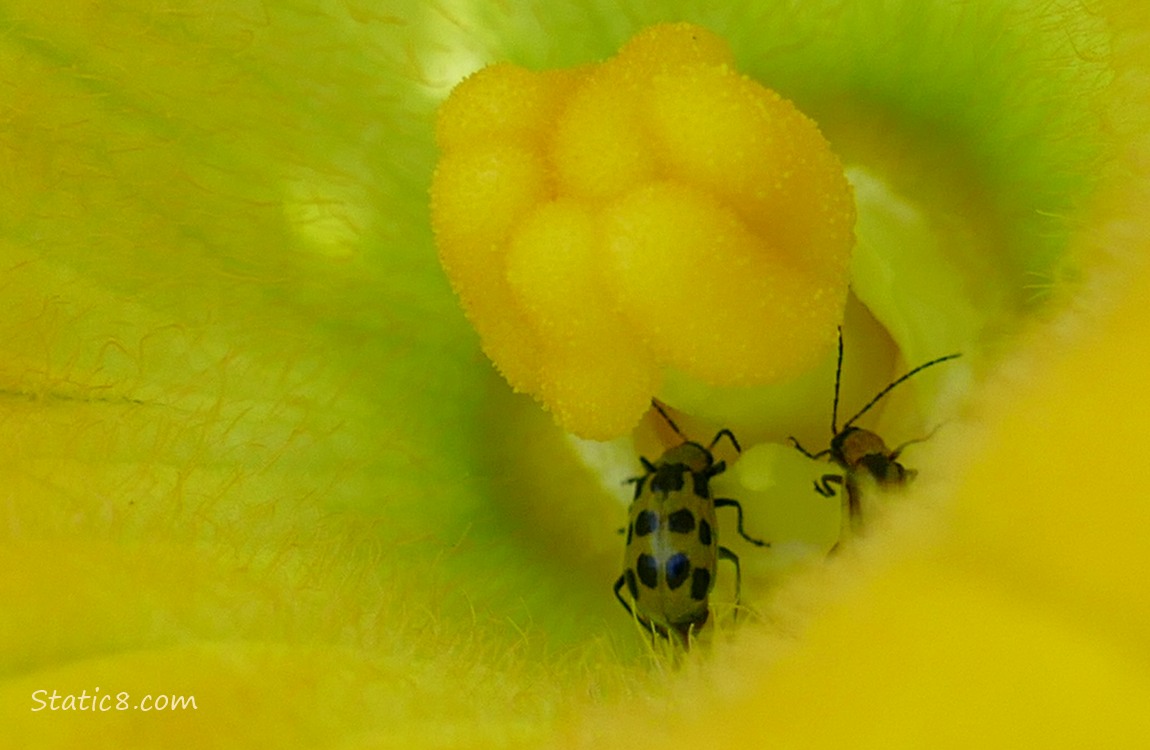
<point>730,436</point>
<point>823,485</point>
<point>726,554</point>
<point>805,452</point>
<point>723,502</point>
<point>626,606</point>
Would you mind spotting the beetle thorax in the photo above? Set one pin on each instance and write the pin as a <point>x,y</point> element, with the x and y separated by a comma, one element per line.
<point>852,445</point>
<point>695,457</point>
<point>864,451</point>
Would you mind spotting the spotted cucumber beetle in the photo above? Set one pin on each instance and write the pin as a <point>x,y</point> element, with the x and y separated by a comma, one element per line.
<point>856,450</point>
<point>672,537</point>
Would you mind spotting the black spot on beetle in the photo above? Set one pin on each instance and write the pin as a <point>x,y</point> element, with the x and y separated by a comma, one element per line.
<point>647,570</point>
<point>645,523</point>
<point>678,568</point>
<point>704,533</point>
<point>632,586</point>
<point>630,530</point>
<point>681,521</point>
<point>668,478</point>
<point>702,484</point>
<point>700,584</point>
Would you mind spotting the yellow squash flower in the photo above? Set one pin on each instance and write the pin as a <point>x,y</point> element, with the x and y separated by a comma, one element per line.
<point>260,486</point>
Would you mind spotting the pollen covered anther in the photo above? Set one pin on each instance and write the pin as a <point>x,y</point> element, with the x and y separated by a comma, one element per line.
<point>657,210</point>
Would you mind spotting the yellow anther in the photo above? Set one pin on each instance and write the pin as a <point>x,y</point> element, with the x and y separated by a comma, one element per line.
<point>656,210</point>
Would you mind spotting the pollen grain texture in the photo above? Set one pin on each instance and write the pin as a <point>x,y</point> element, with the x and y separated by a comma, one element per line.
<point>657,210</point>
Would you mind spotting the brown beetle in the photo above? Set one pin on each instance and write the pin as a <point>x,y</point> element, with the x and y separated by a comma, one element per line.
<point>856,450</point>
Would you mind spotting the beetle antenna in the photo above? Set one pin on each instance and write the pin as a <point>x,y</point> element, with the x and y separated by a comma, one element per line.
<point>666,416</point>
<point>897,451</point>
<point>890,387</point>
<point>838,379</point>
